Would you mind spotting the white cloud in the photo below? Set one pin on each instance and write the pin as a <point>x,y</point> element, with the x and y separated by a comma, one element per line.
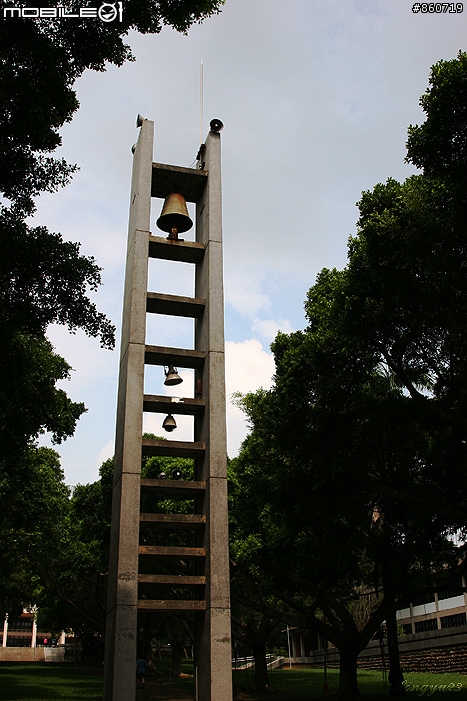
<point>90,363</point>
<point>152,423</point>
<point>243,292</point>
<point>106,452</point>
<point>315,97</point>
<point>269,327</point>
<point>247,368</point>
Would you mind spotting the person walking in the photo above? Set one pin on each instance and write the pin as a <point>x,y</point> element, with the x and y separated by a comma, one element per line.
<point>140,672</point>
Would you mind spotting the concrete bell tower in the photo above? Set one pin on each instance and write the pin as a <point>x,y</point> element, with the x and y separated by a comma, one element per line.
<point>207,561</point>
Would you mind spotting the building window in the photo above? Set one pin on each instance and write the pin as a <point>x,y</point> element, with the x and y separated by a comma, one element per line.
<point>430,624</point>
<point>20,625</point>
<point>457,619</point>
<point>15,641</point>
<point>407,628</point>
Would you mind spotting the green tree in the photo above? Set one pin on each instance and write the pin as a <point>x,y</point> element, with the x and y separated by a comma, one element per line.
<point>250,627</point>
<point>439,145</point>
<point>74,586</point>
<point>31,480</point>
<point>310,512</point>
<point>367,412</point>
<point>39,63</point>
<point>35,504</point>
<point>313,534</point>
<point>44,279</point>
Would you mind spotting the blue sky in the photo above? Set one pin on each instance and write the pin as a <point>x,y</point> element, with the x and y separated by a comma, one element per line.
<point>315,98</point>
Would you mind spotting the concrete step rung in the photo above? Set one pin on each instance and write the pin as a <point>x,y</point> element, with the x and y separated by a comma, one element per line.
<point>170,551</point>
<point>173,405</point>
<point>174,305</point>
<point>169,178</point>
<point>173,449</point>
<point>177,580</point>
<point>185,489</point>
<point>179,250</point>
<point>186,521</point>
<point>179,357</point>
<point>171,605</point>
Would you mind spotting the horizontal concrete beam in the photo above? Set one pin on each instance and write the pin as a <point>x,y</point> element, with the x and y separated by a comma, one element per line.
<point>189,182</point>
<point>186,521</point>
<point>174,305</point>
<point>173,449</point>
<point>176,250</point>
<point>165,405</point>
<point>180,357</point>
<point>175,488</point>
<point>175,579</point>
<point>170,551</point>
<point>171,605</point>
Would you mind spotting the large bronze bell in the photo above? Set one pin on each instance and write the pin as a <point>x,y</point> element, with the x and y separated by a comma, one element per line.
<point>172,377</point>
<point>169,423</point>
<point>174,217</point>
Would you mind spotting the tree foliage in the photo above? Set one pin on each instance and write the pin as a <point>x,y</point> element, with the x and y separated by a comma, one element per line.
<point>250,627</point>
<point>439,145</point>
<point>73,584</point>
<point>355,466</point>
<point>43,278</point>
<point>34,502</point>
<point>39,63</point>
<point>74,587</point>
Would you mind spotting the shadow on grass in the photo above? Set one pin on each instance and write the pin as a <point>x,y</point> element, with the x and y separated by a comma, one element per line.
<point>32,682</point>
<point>54,682</point>
<point>306,684</point>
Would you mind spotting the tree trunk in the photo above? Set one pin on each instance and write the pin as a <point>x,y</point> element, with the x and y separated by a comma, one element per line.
<point>348,685</point>
<point>149,657</point>
<point>176,659</point>
<point>396,677</point>
<point>261,668</point>
<point>395,673</point>
<point>144,643</point>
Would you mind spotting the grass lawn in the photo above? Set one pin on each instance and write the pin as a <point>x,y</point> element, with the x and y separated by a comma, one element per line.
<point>33,681</point>
<point>307,685</point>
<point>54,682</point>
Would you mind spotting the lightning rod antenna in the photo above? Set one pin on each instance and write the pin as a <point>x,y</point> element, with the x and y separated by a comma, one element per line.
<point>201,102</point>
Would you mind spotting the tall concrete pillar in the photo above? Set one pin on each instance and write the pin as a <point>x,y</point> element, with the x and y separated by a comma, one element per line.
<point>138,570</point>
<point>5,630</point>
<point>122,602</point>
<point>214,644</point>
<point>34,633</point>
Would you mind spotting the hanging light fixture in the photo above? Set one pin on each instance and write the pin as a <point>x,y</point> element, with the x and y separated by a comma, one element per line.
<point>172,377</point>
<point>377,516</point>
<point>177,474</point>
<point>169,424</point>
<point>174,218</point>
